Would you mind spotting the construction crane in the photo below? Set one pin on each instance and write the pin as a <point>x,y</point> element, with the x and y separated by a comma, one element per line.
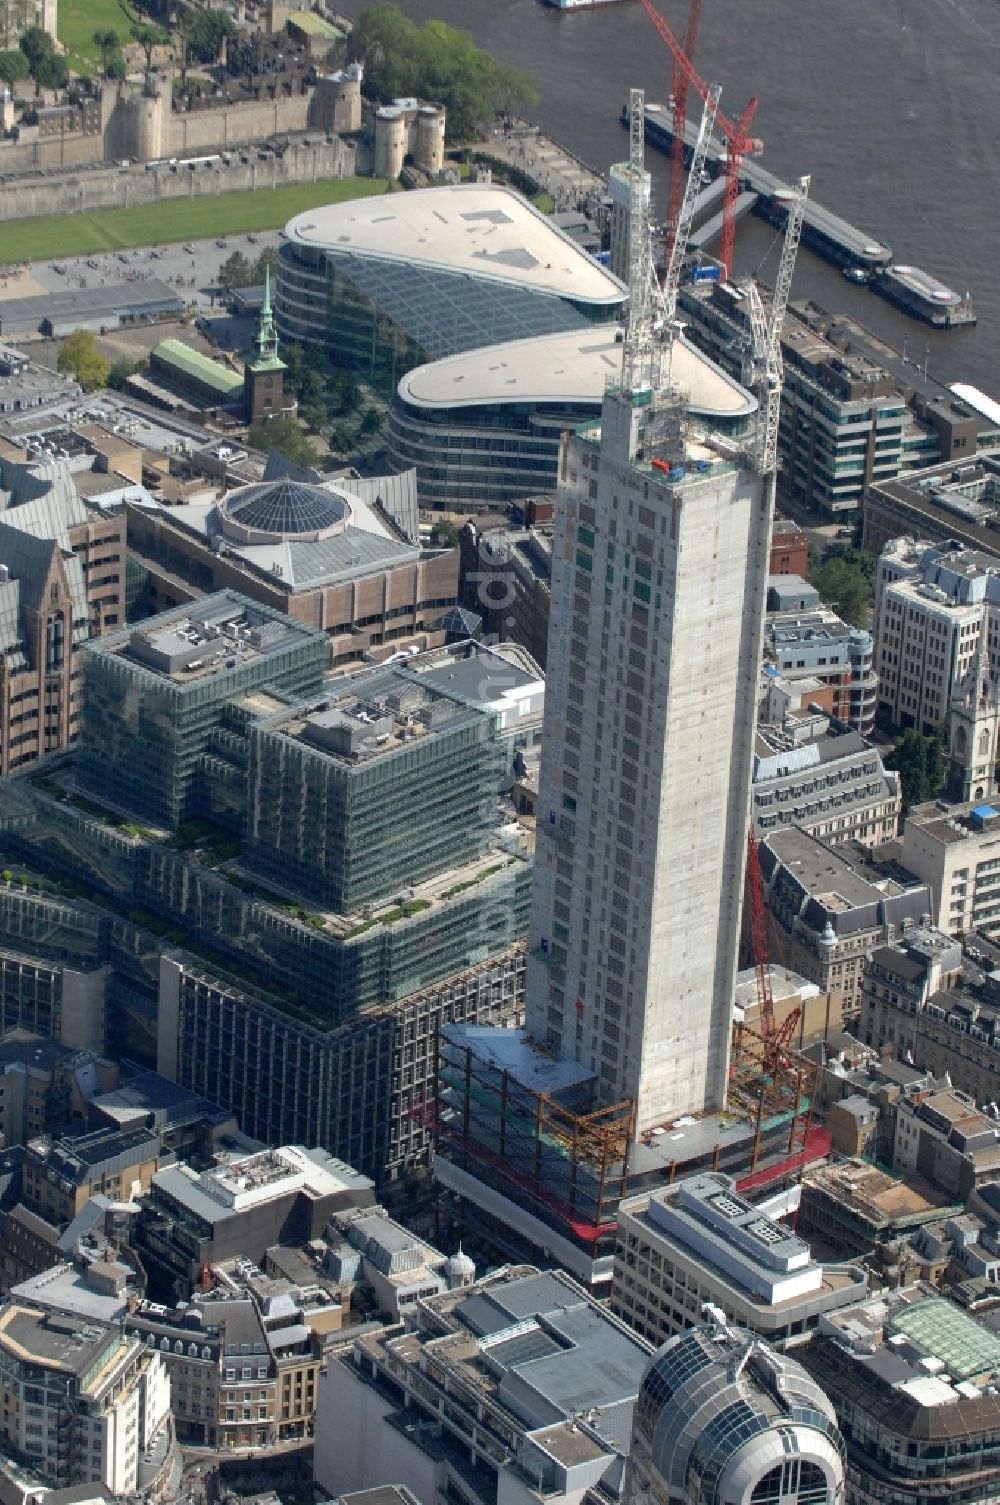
<point>738,143</point>
<point>685,218</point>
<point>641,346</point>
<point>765,337</point>
<point>680,121</point>
<point>758,937</point>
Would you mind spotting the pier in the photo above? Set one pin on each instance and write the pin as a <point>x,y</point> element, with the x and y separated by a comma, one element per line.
<point>765,194</point>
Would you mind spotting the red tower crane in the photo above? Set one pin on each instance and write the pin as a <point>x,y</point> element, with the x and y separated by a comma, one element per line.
<point>758,936</point>
<point>738,143</point>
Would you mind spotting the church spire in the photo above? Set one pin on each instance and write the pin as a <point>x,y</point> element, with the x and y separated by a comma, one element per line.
<point>267,334</point>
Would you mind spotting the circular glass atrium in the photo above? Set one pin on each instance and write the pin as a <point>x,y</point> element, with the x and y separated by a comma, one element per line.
<point>268,511</point>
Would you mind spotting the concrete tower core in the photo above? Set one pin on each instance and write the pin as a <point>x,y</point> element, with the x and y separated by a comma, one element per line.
<point>660,562</point>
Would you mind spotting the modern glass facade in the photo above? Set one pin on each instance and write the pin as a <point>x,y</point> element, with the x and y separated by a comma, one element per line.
<point>467,458</point>
<point>384,317</point>
<point>145,730</point>
<point>348,832</point>
<point>321,976</point>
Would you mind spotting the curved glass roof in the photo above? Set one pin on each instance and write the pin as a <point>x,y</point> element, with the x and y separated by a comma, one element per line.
<point>285,508</point>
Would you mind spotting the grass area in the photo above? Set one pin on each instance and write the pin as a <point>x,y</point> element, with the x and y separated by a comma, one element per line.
<point>543,202</point>
<point>174,220</point>
<point>79,19</point>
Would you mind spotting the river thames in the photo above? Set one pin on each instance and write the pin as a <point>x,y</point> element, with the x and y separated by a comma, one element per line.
<point>893,109</point>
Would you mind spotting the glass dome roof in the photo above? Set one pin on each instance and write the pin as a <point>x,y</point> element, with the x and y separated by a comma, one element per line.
<point>285,509</point>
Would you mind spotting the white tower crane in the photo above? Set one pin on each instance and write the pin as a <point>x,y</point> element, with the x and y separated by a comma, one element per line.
<point>685,217</point>
<point>640,353</point>
<point>765,336</point>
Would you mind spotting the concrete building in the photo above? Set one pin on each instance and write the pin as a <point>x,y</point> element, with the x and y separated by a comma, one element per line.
<point>700,1242</point>
<point>85,1403</point>
<point>832,906</point>
<point>953,500</point>
<point>621,186</point>
<point>154,695</point>
<point>912,1379</point>
<point>483,428</point>
<point>933,604</point>
<point>61,1175</point>
<point>816,774</point>
<point>241,1207</point>
<point>506,578</point>
<point>955,850</point>
<point>818,645</point>
<point>16,16</point>
<point>340,556</point>
<point>62,580</point>
<point>386,285</point>
<point>721,1416</point>
<point>622,930</point>
<point>851,415</point>
<point>898,982</point>
<point>407,129</point>
<point>45,1086</point>
<point>517,1388</point>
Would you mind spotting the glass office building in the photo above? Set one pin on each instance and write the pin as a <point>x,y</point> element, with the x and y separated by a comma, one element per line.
<point>386,285</point>
<point>154,695</point>
<point>484,428</point>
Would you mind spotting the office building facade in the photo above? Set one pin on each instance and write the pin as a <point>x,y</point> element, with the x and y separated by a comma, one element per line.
<point>700,1242</point>
<point>386,285</point>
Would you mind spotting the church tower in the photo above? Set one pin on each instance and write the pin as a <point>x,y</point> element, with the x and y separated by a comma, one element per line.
<point>264,377</point>
<point>975,718</point>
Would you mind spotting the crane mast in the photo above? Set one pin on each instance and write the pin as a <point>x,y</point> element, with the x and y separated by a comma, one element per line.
<point>685,219</point>
<point>641,361</point>
<point>765,337</point>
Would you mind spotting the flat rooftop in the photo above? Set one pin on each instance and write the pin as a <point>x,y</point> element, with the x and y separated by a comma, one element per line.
<point>564,368</point>
<point>219,632</point>
<point>56,1340</point>
<point>474,229</point>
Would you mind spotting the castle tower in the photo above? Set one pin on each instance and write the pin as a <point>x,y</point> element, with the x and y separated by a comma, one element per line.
<point>264,378</point>
<point>975,721</point>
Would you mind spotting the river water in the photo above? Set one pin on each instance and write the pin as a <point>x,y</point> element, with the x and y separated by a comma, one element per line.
<point>893,107</point>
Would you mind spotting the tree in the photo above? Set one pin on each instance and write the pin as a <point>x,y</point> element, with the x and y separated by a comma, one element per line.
<point>80,356</point>
<point>444,534</point>
<point>435,61</point>
<point>122,370</point>
<point>845,578</point>
<point>148,37</point>
<point>205,31</point>
<point>284,436</point>
<point>109,42</point>
<point>235,272</point>
<point>267,261</point>
<point>115,69</point>
<point>52,72</point>
<point>13,66</point>
<point>371,423</point>
<point>919,761</point>
<point>342,438</point>
<point>36,44</point>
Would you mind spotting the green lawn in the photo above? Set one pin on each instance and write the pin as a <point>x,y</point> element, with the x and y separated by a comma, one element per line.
<point>173,220</point>
<point>77,20</point>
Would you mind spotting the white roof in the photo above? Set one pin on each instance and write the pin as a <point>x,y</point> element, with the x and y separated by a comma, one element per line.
<point>565,367</point>
<point>478,229</point>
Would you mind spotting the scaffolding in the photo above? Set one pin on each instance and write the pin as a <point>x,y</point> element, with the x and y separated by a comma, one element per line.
<point>564,1161</point>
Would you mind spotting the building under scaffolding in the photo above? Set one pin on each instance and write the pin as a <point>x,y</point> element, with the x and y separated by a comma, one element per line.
<point>519,1134</point>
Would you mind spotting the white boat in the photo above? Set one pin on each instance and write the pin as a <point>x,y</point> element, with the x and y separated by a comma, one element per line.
<point>577,4</point>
